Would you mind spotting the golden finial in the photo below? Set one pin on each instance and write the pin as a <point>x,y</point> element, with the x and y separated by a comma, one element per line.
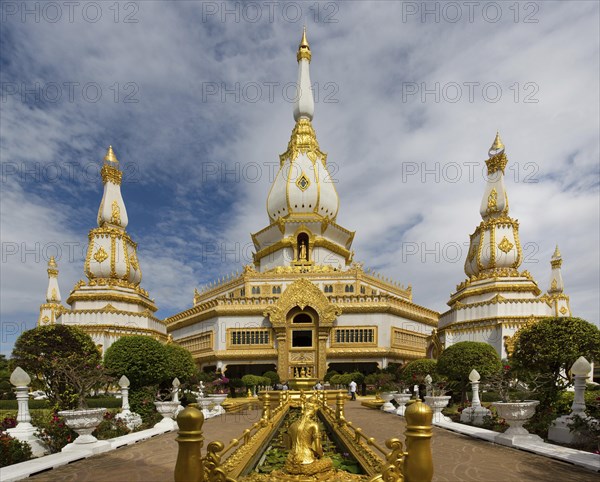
<point>497,145</point>
<point>556,253</point>
<point>110,155</point>
<point>51,262</point>
<point>304,48</point>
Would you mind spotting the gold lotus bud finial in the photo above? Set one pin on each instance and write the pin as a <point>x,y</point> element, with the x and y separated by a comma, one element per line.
<point>52,262</point>
<point>497,146</point>
<point>304,48</point>
<point>110,155</point>
<point>556,253</point>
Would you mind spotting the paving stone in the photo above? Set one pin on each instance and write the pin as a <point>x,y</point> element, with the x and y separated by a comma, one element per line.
<point>456,457</point>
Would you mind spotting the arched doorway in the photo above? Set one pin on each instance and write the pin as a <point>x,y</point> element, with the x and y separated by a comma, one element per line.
<point>302,342</point>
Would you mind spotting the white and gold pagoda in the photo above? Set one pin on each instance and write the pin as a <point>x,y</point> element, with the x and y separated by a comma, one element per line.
<point>111,303</point>
<point>304,307</point>
<point>497,299</point>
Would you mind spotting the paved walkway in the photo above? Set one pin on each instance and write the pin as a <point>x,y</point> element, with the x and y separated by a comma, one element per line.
<point>456,457</point>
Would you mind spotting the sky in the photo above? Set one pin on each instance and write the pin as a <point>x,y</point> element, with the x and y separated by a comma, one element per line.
<point>197,100</point>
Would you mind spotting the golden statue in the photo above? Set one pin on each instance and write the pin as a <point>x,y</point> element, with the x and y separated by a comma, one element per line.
<point>115,217</point>
<point>302,256</point>
<point>306,455</point>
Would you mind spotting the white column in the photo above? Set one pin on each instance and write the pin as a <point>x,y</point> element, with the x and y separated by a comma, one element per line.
<point>24,431</point>
<point>559,430</point>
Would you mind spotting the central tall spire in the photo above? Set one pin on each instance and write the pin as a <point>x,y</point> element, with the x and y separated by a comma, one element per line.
<point>304,107</point>
<point>303,202</point>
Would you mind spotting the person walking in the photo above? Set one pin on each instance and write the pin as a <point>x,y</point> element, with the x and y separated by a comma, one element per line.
<point>352,387</point>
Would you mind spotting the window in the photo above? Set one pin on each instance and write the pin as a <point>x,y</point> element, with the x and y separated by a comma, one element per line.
<point>256,290</point>
<point>243,292</point>
<point>302,318</point>
<point>301,338</point>
<point>362,290</point>
<point>250,337</point>
<point>328,289</point>
<point>276,290</point>
<point>354,335</point>
<point>349,289</point>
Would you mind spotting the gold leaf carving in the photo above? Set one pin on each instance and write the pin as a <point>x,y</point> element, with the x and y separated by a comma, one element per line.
<point>100,255</point>
<point>505,245</point>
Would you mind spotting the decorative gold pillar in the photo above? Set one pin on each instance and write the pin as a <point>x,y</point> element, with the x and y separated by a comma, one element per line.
<point>322,353</point>
<point>282,354</point>
<point>339,406</point>
<point>418,464</point>
<point>189,466</point>
<point>266,406</point>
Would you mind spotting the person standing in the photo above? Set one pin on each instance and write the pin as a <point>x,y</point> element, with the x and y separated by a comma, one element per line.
<point>352,387</point>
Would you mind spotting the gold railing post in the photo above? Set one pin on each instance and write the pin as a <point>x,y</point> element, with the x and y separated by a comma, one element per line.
<point>266,407</point>
<point>339,407</point>
<point>189,466</point>
<point>418,464</point>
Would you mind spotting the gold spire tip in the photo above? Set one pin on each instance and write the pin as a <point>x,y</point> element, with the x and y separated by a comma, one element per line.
<point>52,262</point>
<point>497,145</point>
<point>556,253</point>
<point>304,48</point>
<point>110,155</point>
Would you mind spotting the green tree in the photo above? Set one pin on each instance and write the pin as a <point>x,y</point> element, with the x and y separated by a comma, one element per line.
<point>64,358</point>
<point>180,363</point>
<point>273,376</point>
<point>549,348</point>
<point>140,358</point>
<point>457,361</point>
<point>414,371</point>
<point>6,390</point>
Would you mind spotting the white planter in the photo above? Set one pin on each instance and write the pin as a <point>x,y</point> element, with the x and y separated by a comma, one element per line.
<point>84,422</point>
<point>387,397</point>
<point>437,404</point>
<point>168,411</point>
<point>516,414</point>
<point>218,398</point>
<point>401,399</point>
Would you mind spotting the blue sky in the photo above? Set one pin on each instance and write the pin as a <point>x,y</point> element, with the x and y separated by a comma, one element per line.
<point>195,99</point>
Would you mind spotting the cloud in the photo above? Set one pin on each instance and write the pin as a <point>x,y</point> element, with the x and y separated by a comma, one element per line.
<point>191,103</point>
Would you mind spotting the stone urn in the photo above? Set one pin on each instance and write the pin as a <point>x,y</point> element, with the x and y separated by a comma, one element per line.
<point>84,422</point>
<point>516,414</point>
<point>437,404</point>
<point>401,399</point>
<point>218,398</point>
<point>387,397</point>
<point>168,411</point>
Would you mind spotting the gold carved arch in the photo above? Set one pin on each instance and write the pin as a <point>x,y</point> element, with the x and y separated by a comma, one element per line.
<point>302,293</point>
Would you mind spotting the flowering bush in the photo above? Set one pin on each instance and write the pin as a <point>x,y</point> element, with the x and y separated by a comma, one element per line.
<point>110,427</point>
<point>220,385</point>
<point>13,451</point>
<point>54,432</point>
<point>8,422</point>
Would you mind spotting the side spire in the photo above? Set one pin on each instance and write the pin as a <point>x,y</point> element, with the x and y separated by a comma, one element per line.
<point>53,292</point>
<point>495,199</point>
<point>556,282</point>
<point>112,210</point>
<point>304,107</point>
<point>495,247</point>
<point>51,308</point>
<point>112,255</point>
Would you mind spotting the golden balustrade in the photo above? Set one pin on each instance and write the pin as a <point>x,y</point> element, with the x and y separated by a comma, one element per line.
<point>397,465</point>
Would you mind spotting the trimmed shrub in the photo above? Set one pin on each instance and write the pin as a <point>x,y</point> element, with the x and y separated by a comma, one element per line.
<point>180,363</point>
<point>457,361</point>
<point>140,358</point>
